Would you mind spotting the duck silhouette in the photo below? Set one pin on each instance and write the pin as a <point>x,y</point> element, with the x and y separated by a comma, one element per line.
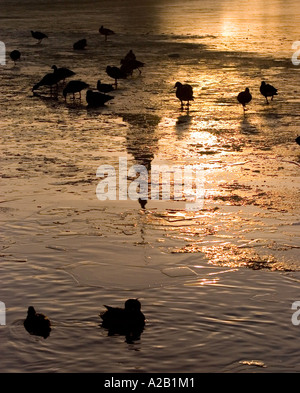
<point>37,324</point>
<point>15,55</point>
<point>184,93</point>
<point>75,86</point>
<point>106,32</point>
<point>104,87</point>
<point>38,35</point>
<point>244,98</point>
<point>143,202</point>
<point>62,73</point>
<point>80,45</point>
<point>128,66</point>
<point>268,91</point>
<point>124,318</point>
<point>50,80</point>
<point>96,99</point>
<point>115,73</point>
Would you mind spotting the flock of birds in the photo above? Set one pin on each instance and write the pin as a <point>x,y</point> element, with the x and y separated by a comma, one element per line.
<point>128,320</point>
<point>94,98</point>
<point>184,92</point>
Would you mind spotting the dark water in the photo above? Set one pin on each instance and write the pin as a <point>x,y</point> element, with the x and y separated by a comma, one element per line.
<point>216,285</point>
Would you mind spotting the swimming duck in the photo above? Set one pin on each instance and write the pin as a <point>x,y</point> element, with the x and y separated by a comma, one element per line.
<point>95,99</point>
<point>244,97</point>
<point>38,35</point>
<point>124,318</point>
<point>298,140</point>
<point>115,73</point>
<point>104,87</point>
<point>15,55</point>
<point>48,80</point>
<point>80,45</point>
<point>106,32</point>
<point>73,87</point>
<point>62,73</point>
<point>184,93</point>
<point>37,324</point>
<point>268,91</point>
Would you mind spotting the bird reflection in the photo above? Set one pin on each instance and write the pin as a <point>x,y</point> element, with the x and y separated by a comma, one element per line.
<point>183,124</point>
<point>248,128</point>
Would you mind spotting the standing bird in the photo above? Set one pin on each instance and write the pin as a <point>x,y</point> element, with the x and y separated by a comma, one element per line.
<point>96,99</point>
<point>106,32</point>
<point>80,45</point>
<point>130,56</point>
<point>38,36</point>
<point>128,66</point>
<point>62,73</point>
<point>47,80</point>
<point>267,91</point>
<point>15,55</point>
<point>74,87</point>
<point>115,73</point>
<point>184,93</point>
<point>37,324</point>
<point>244,97</point>
<point>104,87</point>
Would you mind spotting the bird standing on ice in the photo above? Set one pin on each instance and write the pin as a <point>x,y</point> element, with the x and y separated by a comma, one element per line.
<point>38,35</point>
<point>268,91</point>
<point>106,32</point>
<point>15,55</point>
<point>244,98</point>
<point>184,93</point>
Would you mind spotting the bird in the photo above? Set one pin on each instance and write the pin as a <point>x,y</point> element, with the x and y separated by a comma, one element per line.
<point>104,87</point>
<point>75,86</point>
<point>106,32</point>
<point>37,324</point>
<point>128,66</point>
<point>15,55</point>
<point>96,99</point>
<point>142,202</point>
<point>47,80</point>
<point>244,97</point>
<point>298,140</point>
<point>38,36</point>
<point>62,73</point>
<point>80,45</point>
<point>130,56</point>
<point>268,91</point>
<point>184,93</point>
<point>126,318</point>
<point>115,73</point>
